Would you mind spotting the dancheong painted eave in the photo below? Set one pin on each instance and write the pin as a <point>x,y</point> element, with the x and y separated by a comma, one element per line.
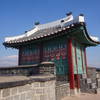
<point>67,25</point>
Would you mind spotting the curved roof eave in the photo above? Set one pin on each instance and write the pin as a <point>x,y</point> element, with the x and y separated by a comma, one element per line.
<point>85,38</point>
<point>92,41</point>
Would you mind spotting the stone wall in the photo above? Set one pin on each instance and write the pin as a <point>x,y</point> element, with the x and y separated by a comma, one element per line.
<point>62,90</point>
<point>91,83</point>
<point>47,68</point>
<point>40,82</point>
<point>33,82</point>
<point>62,86</point>
<point>87,86</point>
<point>92,74</point>
<point>26,70</point>
<point>41,89</point>
<point>29,70</point>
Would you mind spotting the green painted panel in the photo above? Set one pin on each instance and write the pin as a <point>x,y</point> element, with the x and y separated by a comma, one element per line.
<point>74,58</point>
<point>61,66</point>
<point>79,59</point>
<point>84,65</point>
<point>78,68</point>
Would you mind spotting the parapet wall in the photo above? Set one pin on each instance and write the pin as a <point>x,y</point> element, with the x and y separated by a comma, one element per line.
<point>29,70</point>
<point>40,88</point>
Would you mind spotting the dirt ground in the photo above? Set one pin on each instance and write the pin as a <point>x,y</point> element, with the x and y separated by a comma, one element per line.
<point>84,97</point>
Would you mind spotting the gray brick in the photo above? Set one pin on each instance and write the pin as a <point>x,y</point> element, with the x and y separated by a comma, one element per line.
<point>36,84</point>
<point>42,97</point>
<point>0,94</point>
<point>22,96</point>
<point>24,88</point>
<point>5,92</point>
<point>9,98</point>
<point>39,91</point>
<point>29,95</point>
<point>16,97</point>
<point>42,84</point>
<point>37,98</point>
<point>14,91</point>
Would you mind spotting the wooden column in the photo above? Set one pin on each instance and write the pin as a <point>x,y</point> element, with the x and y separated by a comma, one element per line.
<point>70,62</point>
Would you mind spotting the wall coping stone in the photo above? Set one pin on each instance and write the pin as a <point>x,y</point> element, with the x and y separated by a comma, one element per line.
<point>18,67</point>
<point>13,81</point>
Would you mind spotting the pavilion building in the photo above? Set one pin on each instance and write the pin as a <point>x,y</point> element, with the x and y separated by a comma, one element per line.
<point>63,42</point>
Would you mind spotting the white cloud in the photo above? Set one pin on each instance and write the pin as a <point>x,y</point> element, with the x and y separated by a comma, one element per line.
<point>11,60</point>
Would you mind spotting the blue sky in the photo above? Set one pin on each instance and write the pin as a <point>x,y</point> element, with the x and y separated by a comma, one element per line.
<point>17,16</point>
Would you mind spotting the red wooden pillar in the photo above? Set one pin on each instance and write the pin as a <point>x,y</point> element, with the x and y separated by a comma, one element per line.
<point>85,61</point>
<point>70,62</point>
<point>78,81</point>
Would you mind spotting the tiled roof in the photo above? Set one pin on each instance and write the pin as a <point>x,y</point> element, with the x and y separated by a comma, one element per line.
<point>45,29</point>
<point>41,33</point>
<point>48,29</point>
